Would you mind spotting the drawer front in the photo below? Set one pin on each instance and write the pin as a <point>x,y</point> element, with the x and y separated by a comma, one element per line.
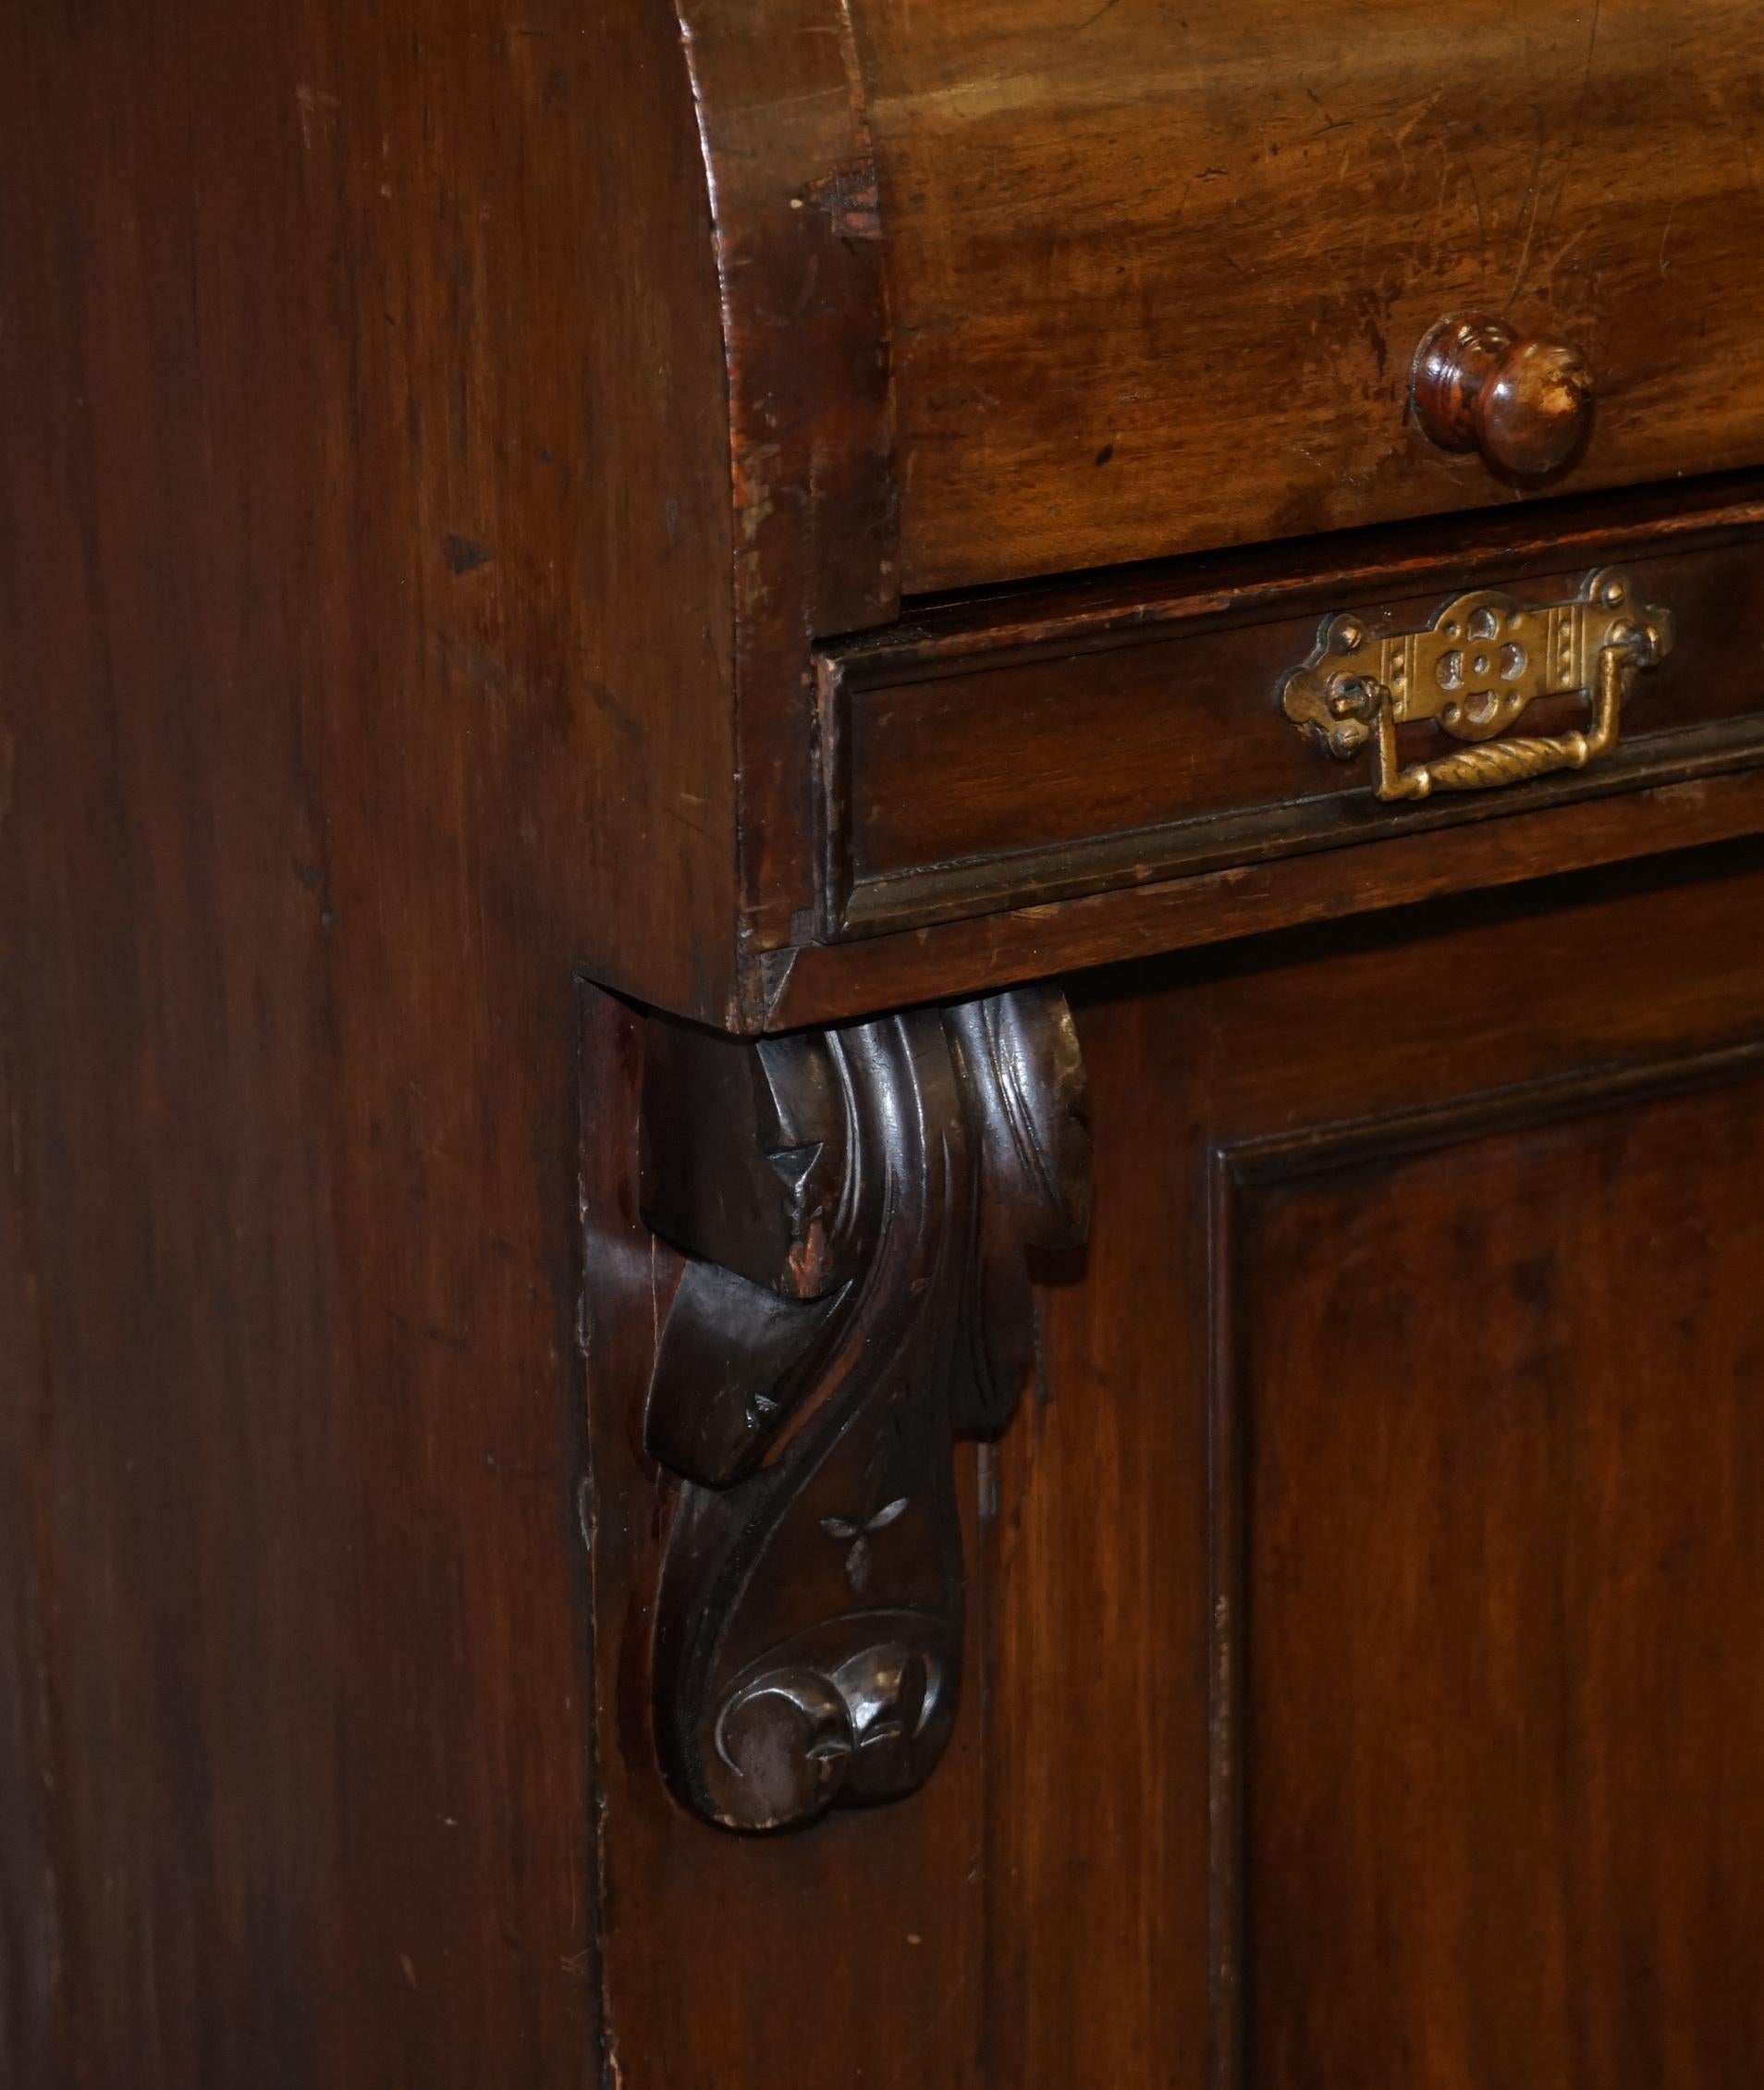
<point>1157,283</point>
<point>1038,752</point>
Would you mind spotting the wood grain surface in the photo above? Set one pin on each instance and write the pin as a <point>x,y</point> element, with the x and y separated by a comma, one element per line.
<point>826,982</point>
<point>357,512</point>
<point>1502,1569</point>
<point>1363,1602</point>
<point>1159,273</point>
<point>846,1955</point>
<point>378,663</point>
<point>1053,768</point>
<point>1375,1595</point>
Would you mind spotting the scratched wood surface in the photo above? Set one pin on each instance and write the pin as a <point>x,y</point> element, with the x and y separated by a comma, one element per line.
<point>1158,272</point>
<point>370,598</point>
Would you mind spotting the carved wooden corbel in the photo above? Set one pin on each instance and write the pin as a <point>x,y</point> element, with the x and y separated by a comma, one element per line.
<point>855,1204</point>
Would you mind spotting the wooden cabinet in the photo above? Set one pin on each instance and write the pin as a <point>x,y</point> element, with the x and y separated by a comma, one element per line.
<point>1359,1666</point>
<point>883,1027</point>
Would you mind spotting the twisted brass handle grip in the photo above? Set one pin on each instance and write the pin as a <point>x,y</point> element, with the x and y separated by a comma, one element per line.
<point>1502,762</point>
<point>1505,762</point>
<point>1473,672</point>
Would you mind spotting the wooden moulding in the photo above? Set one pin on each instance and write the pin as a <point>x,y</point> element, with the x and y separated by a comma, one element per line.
<point>855,1207</point>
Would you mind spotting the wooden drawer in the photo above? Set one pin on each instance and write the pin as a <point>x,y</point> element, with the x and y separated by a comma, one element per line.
<point>1019,752</point>
<point>1157,278</point>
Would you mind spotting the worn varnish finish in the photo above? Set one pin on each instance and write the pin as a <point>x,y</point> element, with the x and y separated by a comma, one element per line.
<point>816,350</point>
<point>1211,907</point>
<point>1525,406</point>
<point>1080,741</point>
<point>1260,221</point>
<point>791,190</point>
<point>1158,273</point>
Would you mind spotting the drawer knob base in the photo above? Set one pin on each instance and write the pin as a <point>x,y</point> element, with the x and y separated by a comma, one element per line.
<point>1525,405</point>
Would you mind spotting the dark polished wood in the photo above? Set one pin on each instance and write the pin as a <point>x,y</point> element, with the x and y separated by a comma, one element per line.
<point>604,606</point>
<point>825,983</point>
<point>1418,1265</point>
<point>1488,1591</point>
<point>856,1206</point>
<point>1258,220</point>
<point>1456,1212</point>
<point>357,518</point>
<point>811,319</point>
<point>1078,745</point>
<point>791,203</point>
<point>746,1960</point>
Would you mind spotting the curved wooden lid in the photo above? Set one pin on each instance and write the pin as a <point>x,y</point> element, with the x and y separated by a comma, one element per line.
<point>1142,279</point>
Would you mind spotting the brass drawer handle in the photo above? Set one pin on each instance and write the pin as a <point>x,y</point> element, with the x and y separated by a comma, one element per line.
<point>1473,671</point>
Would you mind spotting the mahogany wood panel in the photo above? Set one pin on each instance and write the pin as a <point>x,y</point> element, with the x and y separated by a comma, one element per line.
<point>1377,1598</point>
<point>1443,1720</point>
<point>1501,1579</point>
<point>1157,275</point>
<point>363,573</point>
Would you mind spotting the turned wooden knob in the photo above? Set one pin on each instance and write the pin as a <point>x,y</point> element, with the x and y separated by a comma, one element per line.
<point>1525,405</point>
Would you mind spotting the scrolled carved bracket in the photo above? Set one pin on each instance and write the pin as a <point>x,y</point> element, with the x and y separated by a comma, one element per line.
<point>855,1205</point>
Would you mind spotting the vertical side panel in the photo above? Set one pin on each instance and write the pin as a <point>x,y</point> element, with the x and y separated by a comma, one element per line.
<point>363,638</point>
<point>614,318</point>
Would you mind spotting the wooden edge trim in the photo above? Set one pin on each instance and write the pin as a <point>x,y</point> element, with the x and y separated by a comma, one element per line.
<point>979,633</point>
<point>827,983</point>
<point>1069,870</point>
<point>797,231</point>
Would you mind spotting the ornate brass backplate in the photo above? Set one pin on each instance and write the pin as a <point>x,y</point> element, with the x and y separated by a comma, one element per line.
<point>1473,671</point>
